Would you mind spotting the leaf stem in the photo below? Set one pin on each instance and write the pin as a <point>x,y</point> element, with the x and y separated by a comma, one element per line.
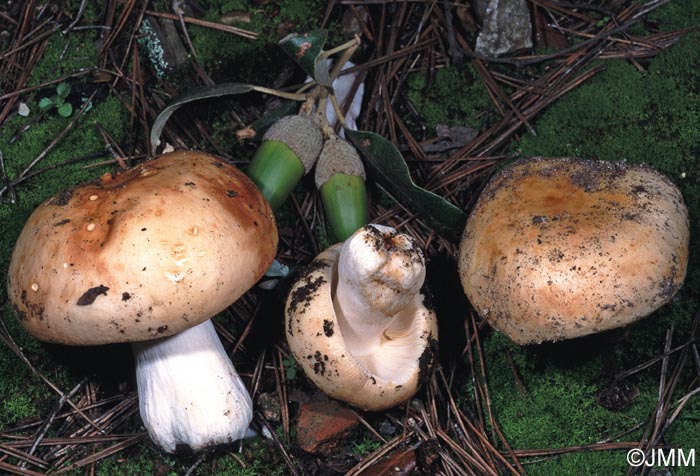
<point>282,94</point>
<point>345,57</point>
<point>354,43</point>
<point>338,112</point>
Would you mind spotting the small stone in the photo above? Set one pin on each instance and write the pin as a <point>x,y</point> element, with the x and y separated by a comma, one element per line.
<point>23,109</point>
<point>386,428</point>
<point>617,396</point>
<point>322,427</point>
<point>506,27</point>
<point>269,405</point>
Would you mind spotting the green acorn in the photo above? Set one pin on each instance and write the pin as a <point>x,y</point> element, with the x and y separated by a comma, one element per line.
<point>288,151</point>
<point>340,177</point>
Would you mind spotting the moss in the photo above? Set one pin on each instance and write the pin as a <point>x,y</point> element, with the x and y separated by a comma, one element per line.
<point>255,458</point>
<point>676,15</point>
<point>365,446</point>
<point>229,57</point>
<point>454,97</point>
<point>134,465</point>
<point>64,56</point>
<point>258,458</point>
<point>560,407</point>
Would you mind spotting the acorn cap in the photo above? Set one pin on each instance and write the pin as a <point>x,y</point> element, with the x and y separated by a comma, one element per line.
<point>557,248</point>
<point>145,253</point>
<point>338,156</point>
<point>299,133</point>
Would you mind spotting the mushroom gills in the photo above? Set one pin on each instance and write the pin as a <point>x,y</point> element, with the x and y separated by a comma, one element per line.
<point>357,323</point>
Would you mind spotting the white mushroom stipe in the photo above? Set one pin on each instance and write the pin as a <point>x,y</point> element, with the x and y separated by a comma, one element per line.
<point>190,396</point>
<point>380,272</point>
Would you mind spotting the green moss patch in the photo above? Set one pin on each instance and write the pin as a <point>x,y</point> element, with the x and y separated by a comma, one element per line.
<point>454,97</point>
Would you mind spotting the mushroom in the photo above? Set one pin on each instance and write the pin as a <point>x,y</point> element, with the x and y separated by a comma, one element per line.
<point>149,255</point>
<point>557,248</point>
<point>357,320</point>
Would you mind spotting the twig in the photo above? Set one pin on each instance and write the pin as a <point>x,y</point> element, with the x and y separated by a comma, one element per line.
<point>280,446</point>
<point>24,457</point>
<point>103,453</point>
<point>216,26</point>
<point>663,373</point>
<point>47,423</point>
<point>196,463</point>
<point>621,445</point>
<point>77,18</point>
<point>6,182</point>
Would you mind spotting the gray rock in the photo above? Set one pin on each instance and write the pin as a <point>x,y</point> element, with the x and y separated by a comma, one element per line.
<point>506,27</point>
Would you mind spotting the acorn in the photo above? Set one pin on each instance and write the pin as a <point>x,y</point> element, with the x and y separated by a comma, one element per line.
<point>289,149</point>
<point>340,178</point>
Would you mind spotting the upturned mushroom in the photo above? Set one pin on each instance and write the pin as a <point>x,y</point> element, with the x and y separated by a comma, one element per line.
<point>149,255</point>
<point>357,320</point>
<point>557,248</point>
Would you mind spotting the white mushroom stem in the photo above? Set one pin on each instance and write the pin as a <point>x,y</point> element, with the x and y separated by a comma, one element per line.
<point>190,396</point>
<point>380,273</point>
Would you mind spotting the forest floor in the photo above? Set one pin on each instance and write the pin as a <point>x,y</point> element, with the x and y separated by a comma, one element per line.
<point>613,82</point>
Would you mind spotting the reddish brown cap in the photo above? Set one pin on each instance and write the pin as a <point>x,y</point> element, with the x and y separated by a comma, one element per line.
<point>557,248</point>
<point>141,254</point>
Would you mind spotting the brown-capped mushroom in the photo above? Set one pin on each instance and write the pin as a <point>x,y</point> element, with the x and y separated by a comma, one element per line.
<point>357,322</point>
<point>557,248</point>
<point>149,255</point>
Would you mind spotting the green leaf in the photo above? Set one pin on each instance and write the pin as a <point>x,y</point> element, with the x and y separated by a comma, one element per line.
<point>63,89</point>
<point>305,49</point>
<point>284,109</point>
<point>386,165</point>
<point>291,366</point>
<point>45,103</point>
<point>65,109</point>
<point>226,89</point>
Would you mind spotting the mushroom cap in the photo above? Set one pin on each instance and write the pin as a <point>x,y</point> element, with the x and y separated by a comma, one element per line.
<point>144,253</point>
<point>557,248</point>
<point>316,340</point>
